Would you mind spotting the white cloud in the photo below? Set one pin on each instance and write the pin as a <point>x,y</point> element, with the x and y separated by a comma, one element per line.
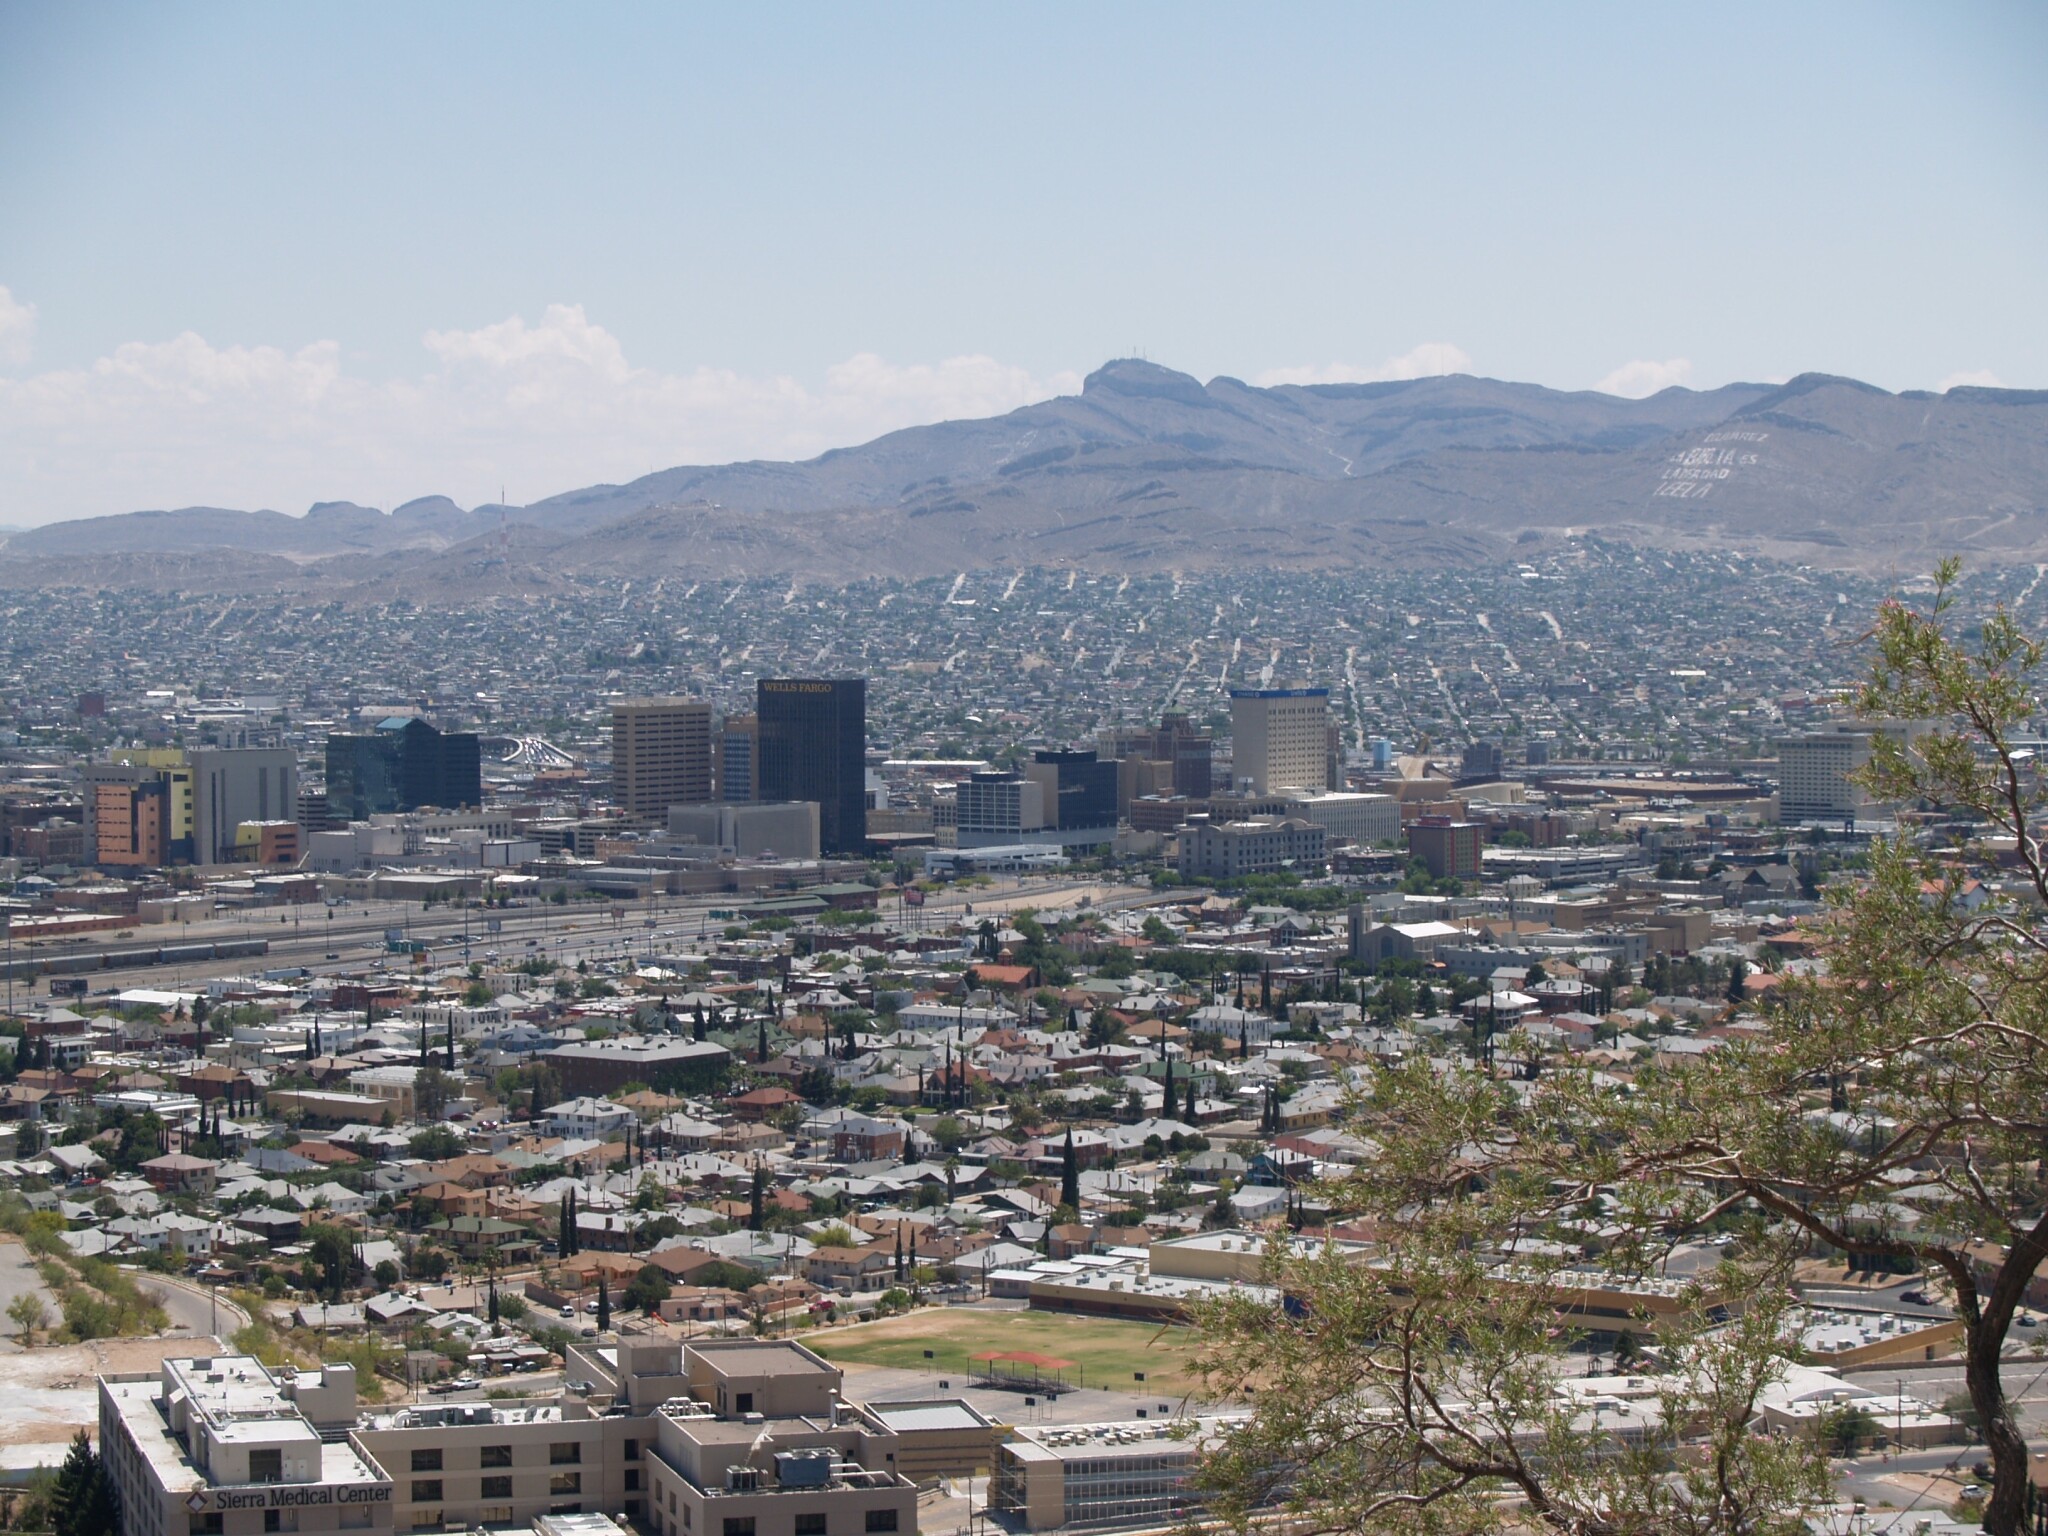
<point>1645,376</point>
<point>538,408</point>
<point>1982,378</point>
<point>17,330</point>
<point>1426,361</point>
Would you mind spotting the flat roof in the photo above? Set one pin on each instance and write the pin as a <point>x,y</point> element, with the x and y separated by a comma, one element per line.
<point>941,1413</point>
<point>745,1358</point>
<point>139,1403</point>
<point>638,1048</point>
<point>1143,1437</point>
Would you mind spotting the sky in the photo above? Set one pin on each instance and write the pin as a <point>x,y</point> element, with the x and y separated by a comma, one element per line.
<point>266,255</point>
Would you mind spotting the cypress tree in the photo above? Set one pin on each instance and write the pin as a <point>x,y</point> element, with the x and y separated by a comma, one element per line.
<point>604,1304</point>
<point>760,1198</point>
<point>1070,1175</point>
<point>82,1502</point>
<point>761,1048</point>
<point>451,1042</point>
<point>494,1301</point>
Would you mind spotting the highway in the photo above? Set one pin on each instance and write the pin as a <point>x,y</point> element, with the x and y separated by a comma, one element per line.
<point>349,940</point>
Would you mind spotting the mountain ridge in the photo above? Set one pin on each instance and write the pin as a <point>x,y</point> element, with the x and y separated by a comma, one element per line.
<point>1149,468</point>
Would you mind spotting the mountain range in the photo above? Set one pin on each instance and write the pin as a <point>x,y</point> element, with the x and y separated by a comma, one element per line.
<point>1150,469</point>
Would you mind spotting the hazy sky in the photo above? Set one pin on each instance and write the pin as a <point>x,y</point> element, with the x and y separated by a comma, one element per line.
<point>262,255</point>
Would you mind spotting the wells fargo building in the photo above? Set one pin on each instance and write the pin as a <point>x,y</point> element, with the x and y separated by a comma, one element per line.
<point>813,746</point>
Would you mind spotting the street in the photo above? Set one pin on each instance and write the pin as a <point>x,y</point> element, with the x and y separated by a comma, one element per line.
<point>192,1308</point>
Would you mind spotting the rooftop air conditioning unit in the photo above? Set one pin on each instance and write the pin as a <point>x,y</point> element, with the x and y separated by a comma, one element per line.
<point>803,1469</point>
<point>742,1479</point>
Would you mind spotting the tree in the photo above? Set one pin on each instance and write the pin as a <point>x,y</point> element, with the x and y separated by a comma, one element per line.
<point>1070,1174</point>
<point>1847,1429</point>
<point>431,1091</point>
<point>604,1304</point>
<point>82,1501</point>
<point>435,1143</point>
<point>1910,1077</point>
<point>28,1312</point>
<point>333,1251</point>
<point>647,1290</point>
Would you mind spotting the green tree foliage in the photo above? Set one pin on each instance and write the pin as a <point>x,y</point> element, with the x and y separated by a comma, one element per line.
<point>646,1290</point>
<point>82,1502</point>
<point>1418,1392</point>
<point>436,1142</point>
<point>331,1252</point>
<point>431,1090</point>
<point>725,1275</point>
<point>29,1313</point>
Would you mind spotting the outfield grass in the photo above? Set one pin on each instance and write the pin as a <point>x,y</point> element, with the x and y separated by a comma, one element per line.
<point>1105,1351</point>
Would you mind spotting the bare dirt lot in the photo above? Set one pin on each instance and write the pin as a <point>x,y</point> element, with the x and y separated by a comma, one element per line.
<point>47,1391</point>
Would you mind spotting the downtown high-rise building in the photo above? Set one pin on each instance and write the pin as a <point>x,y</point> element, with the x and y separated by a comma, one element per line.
<point>812,745</point>
<point>1280,738</point>
<point>661,755</point>
<point>403,764</point>
<point>739,756</point>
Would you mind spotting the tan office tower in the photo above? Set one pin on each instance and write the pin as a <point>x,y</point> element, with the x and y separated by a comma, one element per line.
<point>1280,738</point>
<point>661,755</point>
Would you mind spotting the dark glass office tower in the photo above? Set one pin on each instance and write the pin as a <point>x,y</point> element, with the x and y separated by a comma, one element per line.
<point>813,746</point>
<point>402,765</point>
<point>1081,792</point>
